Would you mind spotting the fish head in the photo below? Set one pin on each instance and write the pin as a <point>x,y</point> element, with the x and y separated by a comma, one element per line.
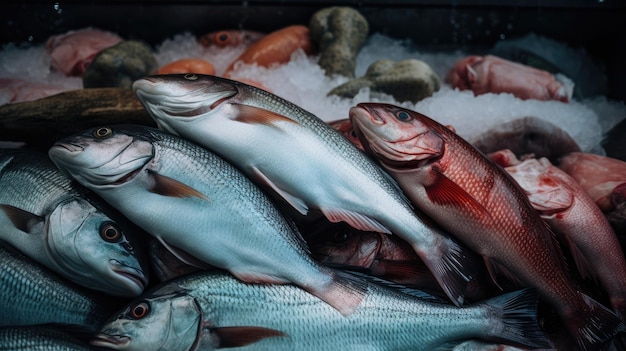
<point>166,322</point>
<point>396,136</point>
<point>340,244</point>
<point>103,157</point>
<point>97,247</point>
<point>180,101</point>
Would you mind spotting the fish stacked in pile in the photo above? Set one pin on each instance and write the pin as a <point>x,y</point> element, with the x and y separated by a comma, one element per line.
<point>235,175</point>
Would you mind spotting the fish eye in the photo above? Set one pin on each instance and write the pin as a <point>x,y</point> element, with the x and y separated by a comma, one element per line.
<point>403,116</point>
<point>190,76</point>
<point>340,236</point>
<point>110,232</point>
<point>140,310</point>
<point>102,132</point>
<point>223,38</point>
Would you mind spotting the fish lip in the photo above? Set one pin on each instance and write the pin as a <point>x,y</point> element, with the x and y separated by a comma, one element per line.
<point>135,278</point>
<point>112,341</point>
<point>71,147</point>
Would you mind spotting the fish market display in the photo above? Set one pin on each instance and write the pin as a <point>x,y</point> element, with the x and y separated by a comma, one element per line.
<point>44,338</point>
<point>67,228</point>
<point>208,311</point>
<point>195,202</point>
<point>571,212</point>
<point>301,159</point>
<point>31,294</point>
<point>479,203</point>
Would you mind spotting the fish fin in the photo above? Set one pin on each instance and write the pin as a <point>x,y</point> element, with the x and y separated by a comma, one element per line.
<point>167,186</point>
<point>582,264</point>
<point>21,219</point>
<point>183,256</point>
<point>595,326</point>
<point>294,201</point>
<point>345,293</point>
<point>242,335</point>
<point>446,192</point>
<point>256,115</point>
<point>453,268</point>
<point>518,313</point>
<point>355,220</point>
<point>496,269</point>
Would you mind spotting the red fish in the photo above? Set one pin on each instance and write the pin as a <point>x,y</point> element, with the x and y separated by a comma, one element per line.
<point>344,126</point>
<point>491,74</point>
<point>478,202</point>
<point>572,214</point>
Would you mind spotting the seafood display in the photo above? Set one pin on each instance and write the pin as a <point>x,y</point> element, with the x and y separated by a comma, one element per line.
<point>314,185</point>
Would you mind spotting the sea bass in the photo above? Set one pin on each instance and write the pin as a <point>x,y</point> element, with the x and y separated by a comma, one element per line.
<point>573,214</point>
<point>301,159</point>
<point>68,228</point>
<point>31,294</point>
<point>212,310</point>
<point>198,205</point>
<point>481,204</point>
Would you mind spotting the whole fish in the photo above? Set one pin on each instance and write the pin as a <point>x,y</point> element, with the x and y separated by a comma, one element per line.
<point>301,159</point>
<point>68,228</point>
<point>572,214</point>
<point>481,204</point>
<point>199,206</point>
<point>212,310</point>
<point>44,338</point>
<point>31,294</point>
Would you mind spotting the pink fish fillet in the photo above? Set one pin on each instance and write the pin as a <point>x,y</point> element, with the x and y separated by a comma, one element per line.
<point>491,74</point>
<point>571,212</point>
<point>478,202</point>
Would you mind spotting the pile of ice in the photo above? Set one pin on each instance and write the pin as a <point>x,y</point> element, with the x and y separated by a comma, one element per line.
<point>304,83</point>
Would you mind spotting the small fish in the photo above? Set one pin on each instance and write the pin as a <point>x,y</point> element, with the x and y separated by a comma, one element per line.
<point>31,294</point>
<point>40,338</point>
<point>198,205</point>
<point>230,37</point>
<point>527,135</point>
<point>572,214</point>
<point>477,201</point>
<point>212,310</point>
<point>67,228</point>
<point>300,159</point>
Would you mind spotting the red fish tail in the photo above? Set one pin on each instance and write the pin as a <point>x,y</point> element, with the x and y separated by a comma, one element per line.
<point>595,326</point>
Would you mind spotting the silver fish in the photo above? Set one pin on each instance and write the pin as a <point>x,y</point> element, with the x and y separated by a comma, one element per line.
<point>301,159</point>
<point>40,338</point>
<point>67,228</point>
<point>198,205</point>
<point>212,310</point>
<point>31,294</point>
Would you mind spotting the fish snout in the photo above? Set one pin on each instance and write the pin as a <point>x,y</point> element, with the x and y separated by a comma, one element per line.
<point>116,342</point>
<point>362,111</point>
<point>135,280</point>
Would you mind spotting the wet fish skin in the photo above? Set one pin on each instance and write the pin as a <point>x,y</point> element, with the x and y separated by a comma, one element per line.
<point>26,297</point>
<point>481,204</point>
<point>67,228</point>
<point>303,161</point>
<point>201,207</point>
<point>40,338</point>
<point>573,214</point>
<point>212,310</point>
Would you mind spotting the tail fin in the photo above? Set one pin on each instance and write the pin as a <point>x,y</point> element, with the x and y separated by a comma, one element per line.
<point>453,268</point>
<point>595,327</point>
<point>518,312</point>
<point>344,292</point>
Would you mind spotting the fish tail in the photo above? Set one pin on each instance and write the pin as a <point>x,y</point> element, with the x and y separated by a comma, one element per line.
<point>594,327</point>
<point>453,266</point>
<point>344,292</point>
<point>518,313</point>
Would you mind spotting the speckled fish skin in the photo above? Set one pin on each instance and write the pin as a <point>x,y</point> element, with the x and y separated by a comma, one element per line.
<point>67,228</point>
<point>483,206</point>
<point>298,157</point>
<point>203,311</point>
<point>31,294</point>
<point>43,338</point>
<point>196,202</point>
<point>573,214</point>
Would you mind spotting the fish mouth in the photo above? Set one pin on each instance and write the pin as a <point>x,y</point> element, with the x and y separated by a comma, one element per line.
<point>116,342</point>
<point>135,279</point>
<point>70,147</point>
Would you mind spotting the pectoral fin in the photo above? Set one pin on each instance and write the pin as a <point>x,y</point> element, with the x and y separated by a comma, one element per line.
<point>21,219</point>
<point>167,186</point>
<point>445,192</point>
<point>242,336</point>
<point>355,220</point>
<point>294,201</point>
<point>255,115</point>
<point>183,256</point>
